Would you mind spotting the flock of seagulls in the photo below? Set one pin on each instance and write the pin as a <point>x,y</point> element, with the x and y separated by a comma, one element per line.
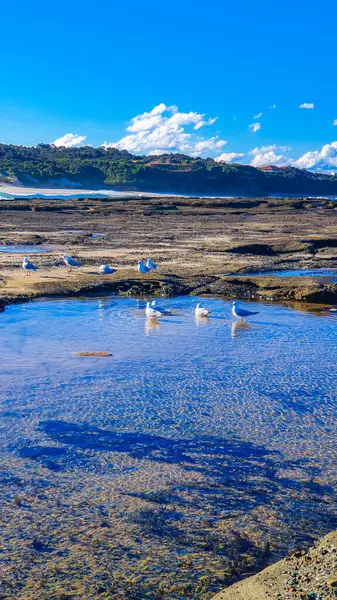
<point>71,263</point>
<point>152,311</point>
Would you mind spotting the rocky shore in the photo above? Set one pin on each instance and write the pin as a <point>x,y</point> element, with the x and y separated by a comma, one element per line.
<point>202,246</point>
<point>303,575</point>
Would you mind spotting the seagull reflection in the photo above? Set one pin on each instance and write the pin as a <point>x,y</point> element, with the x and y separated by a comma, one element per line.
<point>102,306</point>
<point>152,325</point>
<point>239,327</point>
<point>200,321</point>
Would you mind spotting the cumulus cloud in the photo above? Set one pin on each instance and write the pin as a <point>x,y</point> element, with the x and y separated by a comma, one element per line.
<point>254,127</point>
<point>335,122</point>
<point>207,122</point>
<point>307,105</point>
<point>163,129</point>
<point>268,155</point>
<point>70,140</point>
<point>319,159</point>
<point>272,106</point>
<point>229,157</point>
<point>258,115</point>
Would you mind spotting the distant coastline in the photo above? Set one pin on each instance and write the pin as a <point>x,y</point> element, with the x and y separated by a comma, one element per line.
<point>9,192</point>
<point>85,170</point>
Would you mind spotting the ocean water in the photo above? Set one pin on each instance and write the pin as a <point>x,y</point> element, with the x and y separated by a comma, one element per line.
<point>195,438</point>
<point>101,194</point>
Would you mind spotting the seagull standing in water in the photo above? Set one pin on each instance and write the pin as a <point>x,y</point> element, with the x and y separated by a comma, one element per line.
<point>143,269</point>
<point>241,313</point>
<point>70,262</point>
<point>201,312</point>
<point>152,313</point>
<point>150,264</point>
<point>28,266</point>
<point>106,270</point>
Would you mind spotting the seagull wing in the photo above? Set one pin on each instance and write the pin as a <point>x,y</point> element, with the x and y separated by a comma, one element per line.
<point>246,313</point>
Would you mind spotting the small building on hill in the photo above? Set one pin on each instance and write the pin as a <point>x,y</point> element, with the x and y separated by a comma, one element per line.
<point>270,168</point>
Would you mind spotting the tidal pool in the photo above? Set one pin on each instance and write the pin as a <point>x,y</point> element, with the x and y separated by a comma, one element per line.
<point>199,451</point>
<point>332,273</point>
<point>23,249</point>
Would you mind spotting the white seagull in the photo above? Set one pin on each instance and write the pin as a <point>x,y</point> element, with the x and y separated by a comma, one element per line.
<point>201,312</point>
<point>240,313</point>
<point>150,264</point>
<point>143,269</point>
<point>28,266</point>
<point>152,313</point>
<point>70,262</point>
<point>106,270</point>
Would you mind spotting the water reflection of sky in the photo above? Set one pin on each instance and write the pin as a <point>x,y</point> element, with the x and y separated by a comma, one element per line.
<point>271,380</point>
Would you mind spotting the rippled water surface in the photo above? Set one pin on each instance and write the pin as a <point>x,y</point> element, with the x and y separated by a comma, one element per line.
<point>174,461</point>
<point>23,249</point>
<point>332,273</point>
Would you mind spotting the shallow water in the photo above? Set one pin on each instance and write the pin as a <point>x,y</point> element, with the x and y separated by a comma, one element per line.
<point>332,273</point>
<point>23,249</point>
<point>146,464</point>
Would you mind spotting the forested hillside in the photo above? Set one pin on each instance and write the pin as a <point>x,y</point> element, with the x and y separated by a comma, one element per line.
<point>98,168</point>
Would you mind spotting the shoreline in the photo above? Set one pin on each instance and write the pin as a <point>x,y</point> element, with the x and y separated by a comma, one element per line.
<point>305,292</point>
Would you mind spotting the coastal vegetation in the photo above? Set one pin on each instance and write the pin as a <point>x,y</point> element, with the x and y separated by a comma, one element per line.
<point>89,167</point>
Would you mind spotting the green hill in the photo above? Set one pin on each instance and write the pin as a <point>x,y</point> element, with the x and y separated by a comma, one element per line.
<point>98,168</point>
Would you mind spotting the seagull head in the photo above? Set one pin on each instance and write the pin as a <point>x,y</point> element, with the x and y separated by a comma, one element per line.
<point>25,260</point>
<point>234,303</point>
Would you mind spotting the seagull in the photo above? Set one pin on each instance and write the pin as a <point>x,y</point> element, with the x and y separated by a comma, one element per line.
<point>201,312</point>
<point>150,264</point>
<point>28,266</point>
<point>106,270</point>
<point>70,262</point>
<point>152,313</point>
<point>240,313</point>
<point>143,269</point>
<point>164,311</point>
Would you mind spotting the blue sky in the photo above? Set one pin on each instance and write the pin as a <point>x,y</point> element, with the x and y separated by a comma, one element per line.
<point>89,68</point>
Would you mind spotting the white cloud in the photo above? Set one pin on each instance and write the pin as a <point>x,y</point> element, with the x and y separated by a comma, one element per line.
<point>254,127</point>
<point>335,122</point>
<point>229,157</point>
<point>266,155</point>
<point>316,160</point>
<point>258,115</point>
<point>272,106</point>
<point>207,122</point>
<point>307,105</point>
<point>163,129</point>
<point>70,140</point>
<point>319,159</point>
